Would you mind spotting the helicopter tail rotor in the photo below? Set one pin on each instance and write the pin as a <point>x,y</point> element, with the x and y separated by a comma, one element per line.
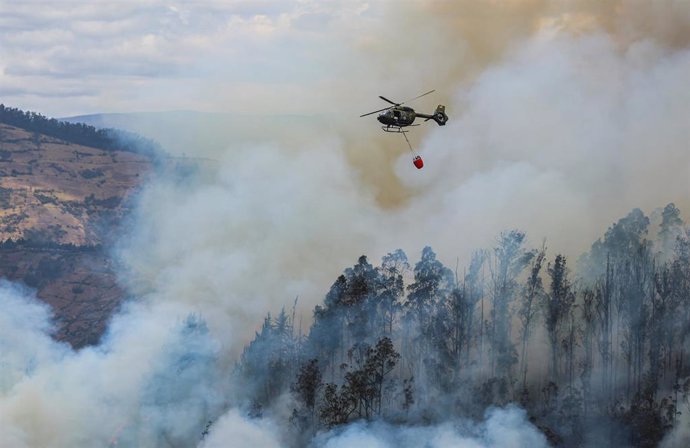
<point>439,115</point>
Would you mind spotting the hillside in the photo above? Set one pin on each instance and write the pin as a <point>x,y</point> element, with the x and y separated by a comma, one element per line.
<point>54,191</point>
<point>60,205</point>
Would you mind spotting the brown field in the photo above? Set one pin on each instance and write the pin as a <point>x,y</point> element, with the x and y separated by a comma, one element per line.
<point>52,194</point>
<point>62,192</point>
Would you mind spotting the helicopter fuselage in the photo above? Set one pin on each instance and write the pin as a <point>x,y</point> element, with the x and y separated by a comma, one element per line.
<point>397,116</point>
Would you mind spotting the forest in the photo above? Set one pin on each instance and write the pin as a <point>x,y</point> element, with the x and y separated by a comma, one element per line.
<point>596,350</point>
<point>79,133</point>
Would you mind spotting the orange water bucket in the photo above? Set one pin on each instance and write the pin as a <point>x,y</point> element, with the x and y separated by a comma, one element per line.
<point>418,162</point>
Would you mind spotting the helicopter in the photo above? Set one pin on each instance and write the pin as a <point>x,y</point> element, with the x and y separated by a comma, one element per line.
<point>396,117</point>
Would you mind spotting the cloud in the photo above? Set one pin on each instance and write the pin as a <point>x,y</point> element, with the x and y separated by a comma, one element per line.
<point>146,55</point>
<point>130,49</point>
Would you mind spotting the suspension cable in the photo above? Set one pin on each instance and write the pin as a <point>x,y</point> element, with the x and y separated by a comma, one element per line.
<point>408,143</point>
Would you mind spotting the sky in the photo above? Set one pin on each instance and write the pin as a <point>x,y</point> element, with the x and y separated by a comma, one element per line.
<point>77,57</point>
<point>73,57</point>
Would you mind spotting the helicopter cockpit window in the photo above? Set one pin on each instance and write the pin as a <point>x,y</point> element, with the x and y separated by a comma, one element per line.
<point>396,113</point>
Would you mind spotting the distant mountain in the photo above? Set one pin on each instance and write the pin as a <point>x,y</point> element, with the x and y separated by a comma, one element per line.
<point>205,134</point>
<point>61,204</point>
<point>78,133</point>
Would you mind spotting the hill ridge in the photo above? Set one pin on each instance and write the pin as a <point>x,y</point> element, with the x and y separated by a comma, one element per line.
<point>62,204</point>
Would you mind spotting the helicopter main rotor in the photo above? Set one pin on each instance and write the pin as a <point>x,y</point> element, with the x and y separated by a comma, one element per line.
<point>394,104</point>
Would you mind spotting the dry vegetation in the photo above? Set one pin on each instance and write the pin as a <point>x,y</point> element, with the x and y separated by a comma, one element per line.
<point>60,204</point>
<point>51,190</point>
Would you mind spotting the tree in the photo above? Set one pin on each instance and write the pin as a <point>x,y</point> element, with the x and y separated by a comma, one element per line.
<point>620,240</point>
<point>361,289</point>
<point>636,290</point>
<point>509,260</point>
<point>393,267</point>
<point>587,333</point>
<point>363,388</point>
<point>557,306</point>
<point>426,315</point>
<point>457,315</point>
<point>306,389</point>
<point>370,367</point>
<point>432,280</point>
<point>308,383</point>
<point>670,230</point>
<point>604,313</point>
<point>267,365</point>
<point>351,312</point>
<point>337,406</point>
<point>532,295</point>
<point>473,291</point>
<point>381,363</point>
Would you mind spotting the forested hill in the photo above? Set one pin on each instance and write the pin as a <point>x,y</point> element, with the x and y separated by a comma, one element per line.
<point>79,133</point>
<point>596,351</point>
<point>64,190</point>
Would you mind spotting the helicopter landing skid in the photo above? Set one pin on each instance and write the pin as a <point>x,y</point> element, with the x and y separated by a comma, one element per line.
<point>393,129</point>
<point>396,129</point>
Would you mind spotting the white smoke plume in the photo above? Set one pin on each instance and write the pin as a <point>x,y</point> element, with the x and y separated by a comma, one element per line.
<point>153,376</point>
<point>502,427</point>
<point>232,426</point>
<point>25,341</point>
<point>680,435</point>
<point>560,139</point>
<point>558,127</point>
<point>507,428</point>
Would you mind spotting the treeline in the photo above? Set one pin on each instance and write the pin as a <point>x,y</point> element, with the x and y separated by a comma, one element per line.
<point>41,244</point>
<point>79,133</point>
<point>598,356</point>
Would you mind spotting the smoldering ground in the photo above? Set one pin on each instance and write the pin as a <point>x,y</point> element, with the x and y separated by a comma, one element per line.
<point>562,120</point>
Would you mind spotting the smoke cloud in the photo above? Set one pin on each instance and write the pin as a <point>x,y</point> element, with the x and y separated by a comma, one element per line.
<point>450,45</point>
<point>680,435</point>
<point>507,427</point>
<point>559,139</point>
<point>501,428</point>
<point>563,117</point>
<point>243,432</point>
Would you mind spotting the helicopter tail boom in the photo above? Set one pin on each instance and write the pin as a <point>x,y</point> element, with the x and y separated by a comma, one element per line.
<point>439,115</point>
